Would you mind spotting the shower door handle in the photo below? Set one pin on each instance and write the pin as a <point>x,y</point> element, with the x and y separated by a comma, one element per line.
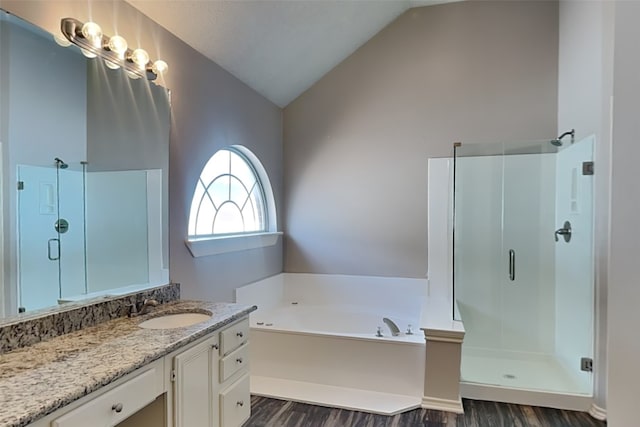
<point>512,265</point>
<point>565,232</point>
<point>57,247</point>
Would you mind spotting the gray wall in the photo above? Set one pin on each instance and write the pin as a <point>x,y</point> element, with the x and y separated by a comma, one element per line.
<point>210,109</point>
<point>624,289</point>
<point>585,86</point>
<point>356,143</point>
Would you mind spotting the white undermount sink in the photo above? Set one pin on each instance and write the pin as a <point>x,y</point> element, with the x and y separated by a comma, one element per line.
<point>174,320</point>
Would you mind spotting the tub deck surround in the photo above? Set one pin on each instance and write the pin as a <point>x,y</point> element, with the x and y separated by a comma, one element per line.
<point>444,337</point>
<point>313,340</point>
<point>346,321</point>
<point>39,379</point>
<point>436,320</point>
<point>30,328</point>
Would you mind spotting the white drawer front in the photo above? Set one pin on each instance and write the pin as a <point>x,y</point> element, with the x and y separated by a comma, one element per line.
<point>234,336</point>
<point>234,362</point>
<point>235,403</point>
<point>115,405</point>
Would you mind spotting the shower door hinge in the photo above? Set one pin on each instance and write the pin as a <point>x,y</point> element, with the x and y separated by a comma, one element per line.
<point>20,185</point>
<point>587,168</point>
<point>586,364</point>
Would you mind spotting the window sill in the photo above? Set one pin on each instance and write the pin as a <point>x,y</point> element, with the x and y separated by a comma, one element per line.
<point>221,245</point>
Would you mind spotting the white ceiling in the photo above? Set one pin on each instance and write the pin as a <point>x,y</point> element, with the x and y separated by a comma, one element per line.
<point>278,47</point>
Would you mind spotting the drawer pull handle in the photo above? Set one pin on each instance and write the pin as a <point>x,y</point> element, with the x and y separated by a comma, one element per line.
<point>240,403</point>
<point>117,407</point>
<point>215,346</point>
<point>239,360</point>
<point>240,334</point>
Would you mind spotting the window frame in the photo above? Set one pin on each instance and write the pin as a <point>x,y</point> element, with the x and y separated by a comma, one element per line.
<point>214,244</point>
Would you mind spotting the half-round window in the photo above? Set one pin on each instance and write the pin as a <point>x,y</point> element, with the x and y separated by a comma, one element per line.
<point>229,197</point>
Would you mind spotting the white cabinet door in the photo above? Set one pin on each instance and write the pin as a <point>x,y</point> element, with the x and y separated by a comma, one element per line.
<point>196,398</point>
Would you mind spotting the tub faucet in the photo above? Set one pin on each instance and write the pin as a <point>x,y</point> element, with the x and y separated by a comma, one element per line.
<point>395,331</point>
<point>146,307</point>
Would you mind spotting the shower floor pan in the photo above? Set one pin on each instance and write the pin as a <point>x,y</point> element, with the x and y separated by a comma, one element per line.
<point>524,378</point>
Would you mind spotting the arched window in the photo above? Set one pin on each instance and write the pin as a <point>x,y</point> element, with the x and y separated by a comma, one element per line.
<point>232,197</point>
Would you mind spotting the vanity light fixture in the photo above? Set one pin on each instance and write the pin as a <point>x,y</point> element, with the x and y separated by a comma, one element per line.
<point>114,50</point>
<point>118,45</point>
<point>61,40</point>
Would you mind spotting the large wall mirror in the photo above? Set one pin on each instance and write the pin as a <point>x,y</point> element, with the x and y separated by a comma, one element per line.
<point>84,174</point>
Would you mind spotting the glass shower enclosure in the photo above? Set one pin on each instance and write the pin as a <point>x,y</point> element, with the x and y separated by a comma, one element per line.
<point>51,233</point>
<point>523,264</point>
<point>83,233</point>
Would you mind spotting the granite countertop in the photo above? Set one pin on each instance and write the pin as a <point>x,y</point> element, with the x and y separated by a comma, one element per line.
<point>41,378</point>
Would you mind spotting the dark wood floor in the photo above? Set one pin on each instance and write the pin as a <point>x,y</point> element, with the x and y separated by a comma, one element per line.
<point>280,413</point>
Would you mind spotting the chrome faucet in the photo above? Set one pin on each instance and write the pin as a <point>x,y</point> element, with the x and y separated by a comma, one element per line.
<point>395,331</point>
<point>146,307</point>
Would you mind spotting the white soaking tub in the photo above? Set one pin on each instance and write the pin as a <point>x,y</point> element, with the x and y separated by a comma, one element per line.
<point>314,340</point>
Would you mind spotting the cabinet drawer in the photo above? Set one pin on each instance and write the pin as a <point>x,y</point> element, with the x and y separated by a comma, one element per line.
<point>234,362</point>
<point>235,403</point>
<point>234,336</point>
<point>115,405</point>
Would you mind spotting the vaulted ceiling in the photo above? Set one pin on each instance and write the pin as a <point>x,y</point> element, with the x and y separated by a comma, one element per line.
<point>278,47</point>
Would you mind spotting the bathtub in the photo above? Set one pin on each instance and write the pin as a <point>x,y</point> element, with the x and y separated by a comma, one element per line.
<point>314,340</point>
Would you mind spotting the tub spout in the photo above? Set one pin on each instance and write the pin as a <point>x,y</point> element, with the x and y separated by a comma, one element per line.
<point>395,331</point>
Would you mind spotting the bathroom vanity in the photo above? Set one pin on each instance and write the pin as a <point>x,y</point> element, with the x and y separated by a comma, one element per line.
<point>117,373</point>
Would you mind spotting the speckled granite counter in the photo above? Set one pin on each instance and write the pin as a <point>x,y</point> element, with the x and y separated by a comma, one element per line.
<point>39,379</point>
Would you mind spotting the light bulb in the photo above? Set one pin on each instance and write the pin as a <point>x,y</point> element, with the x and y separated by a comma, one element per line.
<point>111,65</point>
<point>140,57</point>
<point>118,45</point>
<point>159,67</point>
<point>88,54</point>
<point>61,41</point>
<point>92,32</point>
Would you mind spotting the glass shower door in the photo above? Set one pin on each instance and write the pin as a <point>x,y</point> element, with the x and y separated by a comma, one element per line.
<point>528,266</point>
<point>516,293</point>
<point>38,272</point>
<point>50,234</point>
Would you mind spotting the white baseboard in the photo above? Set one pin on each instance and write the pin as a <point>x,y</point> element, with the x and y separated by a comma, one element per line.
<point>445,405</point>
<point>332,396</point>
<point>598,413</point>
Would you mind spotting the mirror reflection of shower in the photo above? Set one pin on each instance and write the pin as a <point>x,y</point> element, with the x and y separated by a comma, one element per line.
<point>558,141</point>
<point>50,233</point>
<point>62,256</point>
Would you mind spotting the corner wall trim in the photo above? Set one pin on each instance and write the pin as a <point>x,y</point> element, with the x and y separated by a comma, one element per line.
<point>597,412</point>
<point>446,405</point>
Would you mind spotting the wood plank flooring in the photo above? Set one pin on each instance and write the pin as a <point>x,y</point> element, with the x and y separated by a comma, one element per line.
<point>267,412</point>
